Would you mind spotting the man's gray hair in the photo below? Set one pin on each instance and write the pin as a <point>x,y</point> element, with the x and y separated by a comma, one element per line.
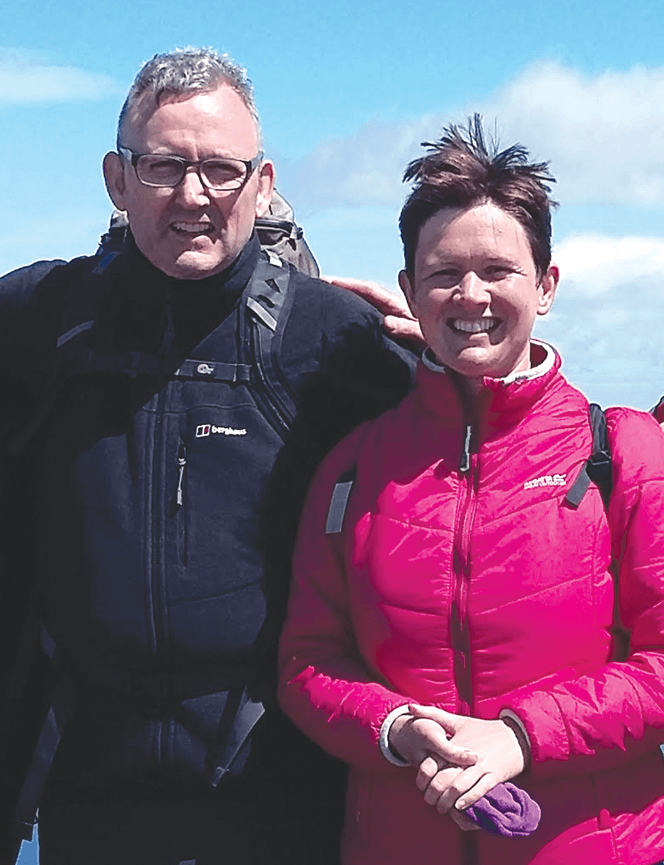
<point>184,71</point>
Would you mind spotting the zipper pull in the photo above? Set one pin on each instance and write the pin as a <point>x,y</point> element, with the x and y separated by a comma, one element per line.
<point>464,464</point>
<point>182,462</point>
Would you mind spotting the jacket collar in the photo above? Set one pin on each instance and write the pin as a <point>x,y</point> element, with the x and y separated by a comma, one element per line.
<point>513,395</point>
<point>147,310</point>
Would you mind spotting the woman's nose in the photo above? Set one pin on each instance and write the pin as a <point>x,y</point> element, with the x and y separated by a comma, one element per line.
<point>472,288</point>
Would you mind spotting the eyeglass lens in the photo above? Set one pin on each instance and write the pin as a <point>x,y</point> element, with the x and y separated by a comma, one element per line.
<point>167,171</point>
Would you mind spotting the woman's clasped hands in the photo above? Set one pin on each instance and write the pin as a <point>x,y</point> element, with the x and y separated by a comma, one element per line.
<point>458,759</point>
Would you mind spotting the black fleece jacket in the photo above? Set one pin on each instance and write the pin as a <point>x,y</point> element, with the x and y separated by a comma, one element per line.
<point>134,582</point>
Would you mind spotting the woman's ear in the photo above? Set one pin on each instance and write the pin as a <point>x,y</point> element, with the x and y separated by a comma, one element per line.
<point>406,286</point>
<point>547,289</point>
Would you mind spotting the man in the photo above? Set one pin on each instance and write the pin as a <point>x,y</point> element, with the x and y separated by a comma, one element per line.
<point>177,398</point>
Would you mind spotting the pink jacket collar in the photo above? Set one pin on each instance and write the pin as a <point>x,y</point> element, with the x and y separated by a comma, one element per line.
<point>514,394</point>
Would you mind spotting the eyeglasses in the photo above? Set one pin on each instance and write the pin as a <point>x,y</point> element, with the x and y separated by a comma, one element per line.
<point>220,173</point>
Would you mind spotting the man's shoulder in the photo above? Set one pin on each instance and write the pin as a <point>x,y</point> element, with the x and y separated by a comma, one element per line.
<point>32,303</point>
<point>335,321</point>
<point>329,318</point>
<point>333,302</point>
<point>19,287</point>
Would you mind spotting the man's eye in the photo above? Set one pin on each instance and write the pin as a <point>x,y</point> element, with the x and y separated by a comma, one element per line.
<point>220,172</point>
<point>160,168</point>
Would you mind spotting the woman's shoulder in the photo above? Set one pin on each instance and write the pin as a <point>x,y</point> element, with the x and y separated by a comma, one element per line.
<point>366,451</point>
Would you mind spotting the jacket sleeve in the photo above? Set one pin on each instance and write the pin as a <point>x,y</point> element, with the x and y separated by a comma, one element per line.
<point>606,719</point>
<point>324,686</point>
<point>28,319</point>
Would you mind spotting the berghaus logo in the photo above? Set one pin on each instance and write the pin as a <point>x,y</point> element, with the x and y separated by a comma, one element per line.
<point>206,429</point>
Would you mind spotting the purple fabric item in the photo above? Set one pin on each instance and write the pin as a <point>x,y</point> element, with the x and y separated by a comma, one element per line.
<point>506,810</point>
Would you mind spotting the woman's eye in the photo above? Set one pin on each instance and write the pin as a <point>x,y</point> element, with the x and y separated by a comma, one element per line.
<point>448,276</point>
<point>497,271</point>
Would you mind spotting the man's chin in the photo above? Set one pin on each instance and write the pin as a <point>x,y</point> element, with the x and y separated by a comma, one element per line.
<point>195,265</point>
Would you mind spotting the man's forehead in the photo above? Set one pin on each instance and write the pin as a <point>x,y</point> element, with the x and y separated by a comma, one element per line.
<point>239,119</point>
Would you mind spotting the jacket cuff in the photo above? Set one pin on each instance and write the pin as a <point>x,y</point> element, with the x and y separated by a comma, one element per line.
<point>384,740</point>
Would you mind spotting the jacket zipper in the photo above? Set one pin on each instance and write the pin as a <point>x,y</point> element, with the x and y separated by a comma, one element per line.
<point>156,576</point>
<point>180,502</point>
<point>182,464</point>
<point>468,468</point>
<point>158,492</point>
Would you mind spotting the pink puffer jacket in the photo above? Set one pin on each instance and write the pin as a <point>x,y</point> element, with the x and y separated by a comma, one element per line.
<point>480,590</point>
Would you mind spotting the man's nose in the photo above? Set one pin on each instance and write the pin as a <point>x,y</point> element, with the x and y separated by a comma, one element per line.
<point>192,191</point>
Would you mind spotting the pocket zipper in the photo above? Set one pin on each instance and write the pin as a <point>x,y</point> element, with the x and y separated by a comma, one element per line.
<point>182,464</point>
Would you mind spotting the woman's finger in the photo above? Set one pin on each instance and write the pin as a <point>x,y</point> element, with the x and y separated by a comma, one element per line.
<point>439,784</point>
<point>459,785</point>
<point>427,770</point>
<point>485,784</point>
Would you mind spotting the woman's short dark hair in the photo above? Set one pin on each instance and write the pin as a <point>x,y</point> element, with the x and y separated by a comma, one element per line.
<point>459,170</point>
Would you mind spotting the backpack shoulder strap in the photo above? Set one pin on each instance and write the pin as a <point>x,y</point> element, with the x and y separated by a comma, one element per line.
<point>268,292</point>
<point>80,300</point>
<point>268,303</point>
<point>658,411</point>
<point>598,467</point>
<point>339,501</point>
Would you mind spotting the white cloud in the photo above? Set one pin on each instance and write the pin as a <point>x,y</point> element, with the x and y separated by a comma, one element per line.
<point>603,134</point>
<point>607,316</point>
<point>364,168</point>
<point>596,266</point>
<point>26,79</point>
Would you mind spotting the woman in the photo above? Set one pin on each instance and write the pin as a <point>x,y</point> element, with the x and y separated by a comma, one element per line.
<point>455,627</point>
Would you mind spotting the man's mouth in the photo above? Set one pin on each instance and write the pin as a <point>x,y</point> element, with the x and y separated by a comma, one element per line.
<point>192,227</point>
<point>474,325</point>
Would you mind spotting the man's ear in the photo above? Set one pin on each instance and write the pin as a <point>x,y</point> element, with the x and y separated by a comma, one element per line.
<point>407,287</point>
<point>265,187</point>
<point>547,289</point>
<point>114,178</point>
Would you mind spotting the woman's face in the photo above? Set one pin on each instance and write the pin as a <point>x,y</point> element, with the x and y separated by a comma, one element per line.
<point>476,291</point>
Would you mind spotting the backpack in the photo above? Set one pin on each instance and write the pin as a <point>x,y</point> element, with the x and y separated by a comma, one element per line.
<point>279,234</point>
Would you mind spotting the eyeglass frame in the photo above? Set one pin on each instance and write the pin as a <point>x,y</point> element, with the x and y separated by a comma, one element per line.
<point>250,165</point>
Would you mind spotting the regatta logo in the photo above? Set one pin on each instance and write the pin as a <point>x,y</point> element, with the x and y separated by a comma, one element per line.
<point>205,429</point>
<point>546,481</point>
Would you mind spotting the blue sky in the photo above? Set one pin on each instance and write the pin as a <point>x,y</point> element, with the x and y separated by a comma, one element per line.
<point>346,92</point>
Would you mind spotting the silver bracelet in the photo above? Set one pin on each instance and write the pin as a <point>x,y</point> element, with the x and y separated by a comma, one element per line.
<point>384,741</point>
